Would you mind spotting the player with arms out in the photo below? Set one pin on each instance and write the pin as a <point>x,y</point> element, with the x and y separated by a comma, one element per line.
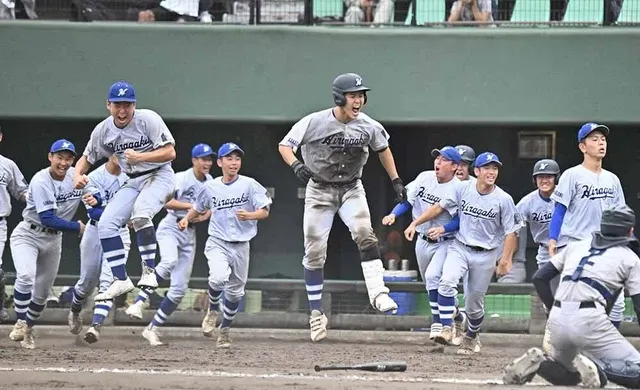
<point>145,148</point>
<point>104,182</point>
<point>36,243</point>
<point>335,146</point>
<point>237,203</point>
<point>427,189</point>
<point>488,220</point>
<point>585,346</point>
<point>177,246</point>
<point>12,183</point>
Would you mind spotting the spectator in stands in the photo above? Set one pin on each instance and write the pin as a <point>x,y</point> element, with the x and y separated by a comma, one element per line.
<point>471,11</point>
<point>177,11</point>
<point>22,9</point>
<point>359,11</point>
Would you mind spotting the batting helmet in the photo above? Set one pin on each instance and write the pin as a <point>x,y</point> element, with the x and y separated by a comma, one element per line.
<point>617,221</point>
<point>546,167</point>
<point>467,153</point>
<point>345,83</point>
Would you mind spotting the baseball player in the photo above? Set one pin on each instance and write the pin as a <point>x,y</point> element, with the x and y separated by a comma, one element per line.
<point>12,183</point>
<point>586,347</point>
<point>428,188</point>
<point>237,203</point>
<point>488,218</point>
<point>104,183</point>
<point>536,209</point>
<point>177,246</point>
<point>583,192</point>
<point>335,146</point>
<point>145,148</point>
<point>36,243</point>
<point>468,156</point>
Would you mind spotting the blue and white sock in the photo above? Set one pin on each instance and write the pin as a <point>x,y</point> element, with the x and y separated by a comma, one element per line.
<point>101,311</point>
<point>314,281</point>
<point>147,245</point>
<point>77,302</point>
<point>474,326</point>
<point>230,309</point>
<point>21,304</point>
<point>113,249</point>
<point>446,306</point>
<point>214,299</point>
<point>146,291</point>
<point>433,302</point>
<point>167,306</point>
<point>34,313</point>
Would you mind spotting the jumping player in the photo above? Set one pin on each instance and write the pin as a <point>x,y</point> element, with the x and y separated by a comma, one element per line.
<point>593,272</point>
<point>145,148</point>
<point>237,203</point>
<point>428,188</point>
<point>36,243</point>
<point>335,146</point>
<point>104,182</point>
<point>582,193</point>
<point>488,220</point>
<point>177,246</point>
<point>12,183</point>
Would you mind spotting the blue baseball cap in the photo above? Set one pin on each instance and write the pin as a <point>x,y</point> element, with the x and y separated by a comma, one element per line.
<point>590,127</point>
<point>487,158</point>
<point>63,145</point>
<point>228,148</point>
<point>448,152</point>
<point>122,91</point>
<point>201,150</point>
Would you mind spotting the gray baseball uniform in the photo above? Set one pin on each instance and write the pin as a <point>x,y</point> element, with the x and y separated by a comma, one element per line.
<point>36,250</point>
<point>586,194</point>
<point>336,153</point>
<point>227,248</point>
<point>12,183</point>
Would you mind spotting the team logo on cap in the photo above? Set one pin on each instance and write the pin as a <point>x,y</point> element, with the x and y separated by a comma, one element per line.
<point>461,151</point>
<point>358,81</point>
<point>122,91</point>
<point>206,148</point>
<point>490,157</point>
<point>543,166</point>
<point>65,144</point>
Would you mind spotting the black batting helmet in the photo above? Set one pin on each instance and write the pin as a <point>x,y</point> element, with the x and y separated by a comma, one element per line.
<point>345,83</point>
<point>546,167</point>
<point>467,153</point>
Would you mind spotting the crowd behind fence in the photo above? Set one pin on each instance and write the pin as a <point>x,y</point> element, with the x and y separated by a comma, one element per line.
<point>481,13</point>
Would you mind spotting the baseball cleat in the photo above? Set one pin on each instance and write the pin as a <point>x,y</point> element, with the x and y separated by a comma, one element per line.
<point>209,323</point>
<point>117,288</point>
<point>588,370</point>
<point>75,322</point>
<point>469,346</point>
<point>93,334</point>
<point>385,304</point>
<point>223,341</point>
<point>435,330</point>
<point>29,341</point>
<point>152,335</point>
<point>135,310</point>
<point>459,330</point>
<point>148,278</point>
<point>18,331</point>
<point>444,337</point>
<point>524,368</point>
<point>318,324</point>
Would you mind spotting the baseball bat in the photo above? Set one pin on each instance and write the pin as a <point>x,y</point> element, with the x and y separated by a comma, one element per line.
<point>375,367</point>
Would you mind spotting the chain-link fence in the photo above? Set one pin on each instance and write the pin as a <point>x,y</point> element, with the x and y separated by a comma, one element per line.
<point>492,13</point>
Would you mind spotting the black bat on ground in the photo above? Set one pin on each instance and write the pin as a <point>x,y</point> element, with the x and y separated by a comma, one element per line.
<point>375,367</point>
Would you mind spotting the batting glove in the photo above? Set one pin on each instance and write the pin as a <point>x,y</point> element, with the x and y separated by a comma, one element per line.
<point>302,171</point>
<point>401,192</point>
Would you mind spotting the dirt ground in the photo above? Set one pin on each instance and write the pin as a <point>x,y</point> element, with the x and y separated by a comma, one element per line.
<point>257,360</point>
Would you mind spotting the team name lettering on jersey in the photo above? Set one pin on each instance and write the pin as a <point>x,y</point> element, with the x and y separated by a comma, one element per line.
<point>226,203</point>
<point>592,192</point>
<point>3,179</point>
<point>541,217</point>
<point>339,141</point>
<point>63,197</point>
<point>477,212</point>
<point>427,197</point>
<point>135,145</point>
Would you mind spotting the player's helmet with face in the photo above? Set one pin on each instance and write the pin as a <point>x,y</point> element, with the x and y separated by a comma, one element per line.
<point>467,153</point>
<point>546,167</point>
<point>345,83</point>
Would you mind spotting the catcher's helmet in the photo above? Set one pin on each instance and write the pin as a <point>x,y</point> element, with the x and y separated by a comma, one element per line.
<point>617,221</point>
<point>467,153</point>
<point>546,167</point>
<point>345,83</point>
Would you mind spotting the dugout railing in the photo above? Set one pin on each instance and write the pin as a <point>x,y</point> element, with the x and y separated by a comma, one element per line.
<point>293,314</point>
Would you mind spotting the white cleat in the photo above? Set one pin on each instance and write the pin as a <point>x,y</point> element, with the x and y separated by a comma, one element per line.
<point>445,336</point>
<point>148,278</point>
<point>223,341</point>
<point>18,331</point>
<point>469,346</point>
<point>209,323</point>
<point>75,323</point>
<point>435,331</point>
<point>588,370</point>
<point>524,368</point>
<point>117,288</point>
<point>93,334</point>
<point>459,330</point>
<point>152,335</point>
<point>318,324</point>
<point>29,341</point>
<point>385,304</point>
<point>135,310</point>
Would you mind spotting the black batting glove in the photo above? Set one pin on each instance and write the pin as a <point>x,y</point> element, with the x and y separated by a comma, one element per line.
<point>302,171</point>
<point>401,192</point>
